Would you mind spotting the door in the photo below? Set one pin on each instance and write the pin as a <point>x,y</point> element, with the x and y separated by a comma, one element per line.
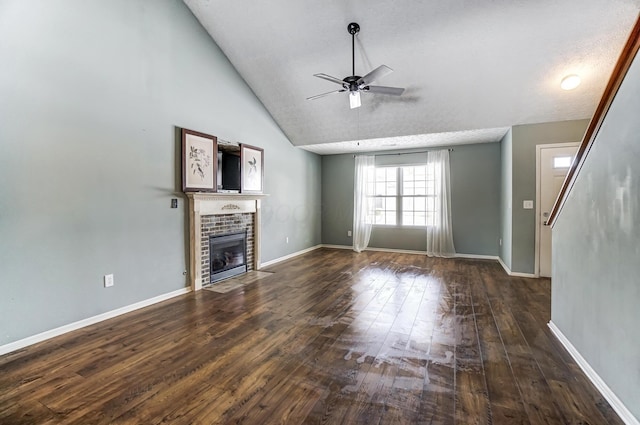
<point>553,165</point>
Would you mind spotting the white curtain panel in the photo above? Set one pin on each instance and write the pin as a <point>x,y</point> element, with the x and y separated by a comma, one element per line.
<point>362,208</point>
<point>439,229</point>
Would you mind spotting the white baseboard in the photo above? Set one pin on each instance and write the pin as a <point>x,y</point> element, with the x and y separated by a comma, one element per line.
<point>478,256</point>
<point>407,251</point>
<point>324,245</point>
<point>617,405</point>
<point>515,274</point>
<point>16,345</point>
<point>399,251</point>
<point>287,257</point>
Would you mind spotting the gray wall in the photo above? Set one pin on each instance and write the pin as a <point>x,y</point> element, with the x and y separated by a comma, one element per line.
<point>596,247</point>
<point>525,138</point>
<point>506,213</point>
<point>475,193</point>
<point>91,94</point>
<point>337,198</point>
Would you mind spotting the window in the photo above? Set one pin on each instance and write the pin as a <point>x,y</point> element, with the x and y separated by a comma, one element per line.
<point>404,195</point>
<point>562,161</point>
<point>385,194</point>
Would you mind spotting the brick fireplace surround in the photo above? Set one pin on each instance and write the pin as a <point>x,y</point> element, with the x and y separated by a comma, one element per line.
<point>218,214</point>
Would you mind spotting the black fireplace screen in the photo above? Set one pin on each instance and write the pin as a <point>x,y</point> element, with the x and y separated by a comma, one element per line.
<point>227,255</point>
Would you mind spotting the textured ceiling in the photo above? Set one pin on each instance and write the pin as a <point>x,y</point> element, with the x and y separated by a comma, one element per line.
<point>470,68</point>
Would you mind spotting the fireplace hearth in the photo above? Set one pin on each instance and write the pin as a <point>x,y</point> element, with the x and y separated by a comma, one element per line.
<point>227,255</point>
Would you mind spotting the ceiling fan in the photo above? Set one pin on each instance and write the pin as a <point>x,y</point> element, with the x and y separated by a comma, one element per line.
<point>355,84</point>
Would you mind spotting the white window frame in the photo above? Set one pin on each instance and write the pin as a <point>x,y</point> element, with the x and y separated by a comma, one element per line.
<point>399,197</point>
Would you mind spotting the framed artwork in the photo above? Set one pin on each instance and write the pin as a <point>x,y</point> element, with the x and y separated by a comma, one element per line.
<point>199,163</point>
<point>252,169</point>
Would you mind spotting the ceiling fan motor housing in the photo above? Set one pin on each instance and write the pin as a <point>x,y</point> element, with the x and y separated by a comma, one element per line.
<point>352,82</point>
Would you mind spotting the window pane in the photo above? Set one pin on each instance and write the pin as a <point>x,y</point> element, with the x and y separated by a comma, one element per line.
<point>407,219</point>
<point>407,188</point>
<point>391,188</point>
<point>390,218</point>
<point>430,190</point>
<point>415,181</point>
<point>561,162</point>
<point>391,173</point>
<point>407,173</point>
<point>407,204</point>
<point>385,181</point>
<point>430,204</point>
<point>390,204</point>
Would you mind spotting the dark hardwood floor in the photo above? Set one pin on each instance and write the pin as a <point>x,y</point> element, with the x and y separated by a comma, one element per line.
<point>331,337</point>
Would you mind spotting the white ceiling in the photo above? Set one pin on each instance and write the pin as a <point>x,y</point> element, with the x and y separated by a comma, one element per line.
<point>471,68</point>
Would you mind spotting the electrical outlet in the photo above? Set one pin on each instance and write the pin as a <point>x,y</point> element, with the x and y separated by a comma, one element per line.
<point>174,203</point>
<point>500,241</point>
<point>527,205</point>
<point>108,280</point>
<point>287,239</point>
<point>349,233</point>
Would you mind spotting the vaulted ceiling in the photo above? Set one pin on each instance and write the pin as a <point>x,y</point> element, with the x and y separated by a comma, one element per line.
<point>471,68</point>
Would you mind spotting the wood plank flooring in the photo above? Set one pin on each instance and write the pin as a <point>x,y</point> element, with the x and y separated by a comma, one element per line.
<point>331,337</point>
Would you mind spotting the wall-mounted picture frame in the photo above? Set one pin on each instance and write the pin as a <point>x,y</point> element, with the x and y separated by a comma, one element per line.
<point>252,169</point>
<point>199,161</point>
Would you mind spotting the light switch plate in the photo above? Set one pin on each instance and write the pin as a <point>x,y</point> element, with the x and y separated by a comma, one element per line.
<point>527,205</point>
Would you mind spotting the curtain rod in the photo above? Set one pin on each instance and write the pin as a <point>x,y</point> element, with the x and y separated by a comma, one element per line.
<point>405,153</point>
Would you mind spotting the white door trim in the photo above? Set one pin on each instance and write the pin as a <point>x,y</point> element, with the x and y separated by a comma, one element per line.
<point>536,267</point>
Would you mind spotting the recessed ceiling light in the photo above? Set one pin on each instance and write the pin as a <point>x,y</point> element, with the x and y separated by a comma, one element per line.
<point>570,82</point>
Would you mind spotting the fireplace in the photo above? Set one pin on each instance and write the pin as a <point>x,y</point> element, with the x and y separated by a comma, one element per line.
<point>219,214</point>
<point>227,255</point>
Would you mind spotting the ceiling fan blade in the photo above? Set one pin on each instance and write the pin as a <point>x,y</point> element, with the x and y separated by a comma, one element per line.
<point>394,91</point>
<point>329,78</point>
<point>374,75</point>
<point>325,94</point>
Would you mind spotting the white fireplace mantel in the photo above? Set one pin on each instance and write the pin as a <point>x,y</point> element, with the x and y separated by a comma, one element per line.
<point>203,204</point>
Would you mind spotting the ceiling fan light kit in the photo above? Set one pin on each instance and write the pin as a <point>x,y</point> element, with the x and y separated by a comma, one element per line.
<point>355,84</point>
<point>354,99</point>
